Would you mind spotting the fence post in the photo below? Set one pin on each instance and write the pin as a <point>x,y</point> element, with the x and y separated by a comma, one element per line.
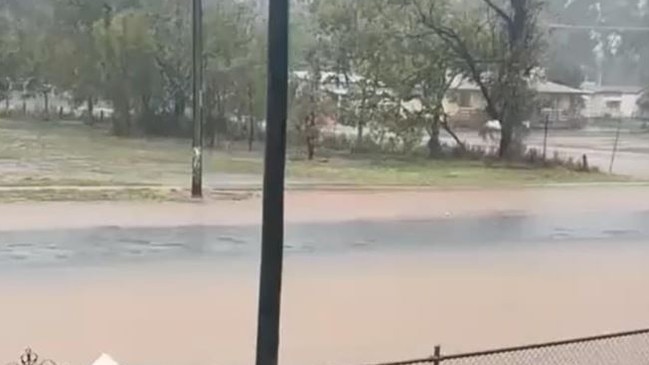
<point>437,355</point>
<point>615,146</point>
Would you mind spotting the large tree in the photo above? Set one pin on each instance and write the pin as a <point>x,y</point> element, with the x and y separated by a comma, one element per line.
<point>498,45</point>
<point>421,72</point>
<point>354,36</point>
<point>231,30</point>
<point>172,34</point>
<point>132,83</point>
<point>8,57</point>
<point>74,62</point>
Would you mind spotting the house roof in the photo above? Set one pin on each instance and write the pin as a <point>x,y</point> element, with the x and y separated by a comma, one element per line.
<point>613,89</point>
<point>543,87</point>
<point>336,83</point>
<point>549,87</point>
<point>327,77</point>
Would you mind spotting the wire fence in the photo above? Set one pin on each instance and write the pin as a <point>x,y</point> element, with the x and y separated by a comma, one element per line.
<point>625,348</point>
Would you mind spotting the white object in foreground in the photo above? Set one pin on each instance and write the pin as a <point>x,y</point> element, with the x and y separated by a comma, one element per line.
<point>105,359</point>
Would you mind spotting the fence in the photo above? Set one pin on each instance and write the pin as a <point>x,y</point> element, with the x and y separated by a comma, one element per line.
<point>625,348</point>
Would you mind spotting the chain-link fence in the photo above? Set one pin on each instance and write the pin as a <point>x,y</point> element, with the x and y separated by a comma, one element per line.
<point>627,348</point>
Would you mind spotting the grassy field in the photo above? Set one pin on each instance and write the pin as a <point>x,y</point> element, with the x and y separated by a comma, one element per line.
<point>46,154</point>
<point>39,154</point>
<point>445,173</point>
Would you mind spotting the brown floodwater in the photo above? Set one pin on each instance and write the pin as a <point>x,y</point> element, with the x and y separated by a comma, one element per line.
<point>332,206</point>
<point>342,308</point>
<point>337,310</point>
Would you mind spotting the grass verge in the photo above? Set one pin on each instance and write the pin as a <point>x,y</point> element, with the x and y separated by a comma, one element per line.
<point>55,157</point>
<point>439,173</point>
<point>113,194</point>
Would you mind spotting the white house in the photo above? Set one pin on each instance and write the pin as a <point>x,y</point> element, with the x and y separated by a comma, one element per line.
<point>465,105</point>
<point>612,101</point>
<point>560,103</point>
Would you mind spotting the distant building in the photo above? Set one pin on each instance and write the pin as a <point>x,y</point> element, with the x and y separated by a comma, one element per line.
<point>562,105</point>
<point>613,101</point>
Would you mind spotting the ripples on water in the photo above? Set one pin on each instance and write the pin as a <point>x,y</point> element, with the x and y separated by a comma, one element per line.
<point>104,245</point>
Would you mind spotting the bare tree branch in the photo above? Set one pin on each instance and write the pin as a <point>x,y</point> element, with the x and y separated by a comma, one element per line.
<point>459,46</point>
<point>500,11</point>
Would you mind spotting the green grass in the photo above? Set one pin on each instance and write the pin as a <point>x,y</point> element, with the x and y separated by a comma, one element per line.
<point>47,194</point>
<point>53,195</point>
<point>443,173</point>
<point>56,155</point>
<point>47,154</point>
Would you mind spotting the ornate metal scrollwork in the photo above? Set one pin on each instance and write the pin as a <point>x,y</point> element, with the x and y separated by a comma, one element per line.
<point>29,357</point>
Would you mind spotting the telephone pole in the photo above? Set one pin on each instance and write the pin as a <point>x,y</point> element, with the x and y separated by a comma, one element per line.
<point>197,103</point>
<point>272,240</point>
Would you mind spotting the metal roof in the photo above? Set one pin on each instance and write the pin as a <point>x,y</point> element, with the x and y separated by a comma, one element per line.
<point>613,89</point>
<point>542,87</point>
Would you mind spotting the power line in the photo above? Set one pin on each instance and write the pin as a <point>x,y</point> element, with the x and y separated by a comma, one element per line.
<point>598,27</point>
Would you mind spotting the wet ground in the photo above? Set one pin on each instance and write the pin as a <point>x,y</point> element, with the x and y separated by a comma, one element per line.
<point>595,142</point>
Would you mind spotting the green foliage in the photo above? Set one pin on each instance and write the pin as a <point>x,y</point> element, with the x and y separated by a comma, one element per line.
<point>497,46</point>
<point>382,67</point>
<point>235,72</point>
<point>127,52</point>
<point>136,55</point>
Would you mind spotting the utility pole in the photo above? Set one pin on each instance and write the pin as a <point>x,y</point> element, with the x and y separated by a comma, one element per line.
<point>197,103</point>
<point>272,240</point>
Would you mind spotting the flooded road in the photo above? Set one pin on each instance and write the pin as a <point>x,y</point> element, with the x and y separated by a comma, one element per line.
<point>383,280</point>
<point>103,246</point>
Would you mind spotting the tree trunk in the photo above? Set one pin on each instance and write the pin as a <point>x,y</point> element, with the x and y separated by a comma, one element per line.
<point>251,119</point>
<point>310,147</point>
<point>46,99</point>
<point>211,131</point>
<point>310,136</point>
<point>251,132</point>
<point>180,105</point>
<point>214,123</point>
<point>122,118</point>
<point>241,125</point>
<point>434,147</point>
<point>447,128</point>
<point>91,110</point>
<point>506,134</point>
<point>359,136</point>
<point>457,139</point>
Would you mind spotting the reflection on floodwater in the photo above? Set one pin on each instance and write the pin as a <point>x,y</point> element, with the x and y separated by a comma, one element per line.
<point>106,245</point>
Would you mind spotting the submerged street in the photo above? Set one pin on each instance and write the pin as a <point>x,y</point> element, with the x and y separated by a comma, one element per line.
<point>370,276</point>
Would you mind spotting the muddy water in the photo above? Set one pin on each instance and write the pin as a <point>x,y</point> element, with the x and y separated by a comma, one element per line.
<point>388,277</point>
<point>105,246</point>
<point>348,310</point>
<point>331,206</point>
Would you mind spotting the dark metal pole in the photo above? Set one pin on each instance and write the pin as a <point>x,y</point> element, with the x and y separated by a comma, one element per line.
<point>272,244</point>
<point>437,355</point>
<point>197,104</point>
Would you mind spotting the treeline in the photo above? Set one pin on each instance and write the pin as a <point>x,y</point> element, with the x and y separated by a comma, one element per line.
<point>381,67</point>
<point>136,55</point>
